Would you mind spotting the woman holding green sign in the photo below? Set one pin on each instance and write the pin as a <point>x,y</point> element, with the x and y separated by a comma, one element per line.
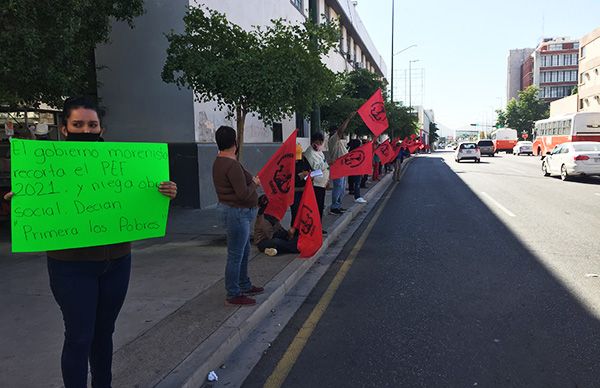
<point>89,284</point>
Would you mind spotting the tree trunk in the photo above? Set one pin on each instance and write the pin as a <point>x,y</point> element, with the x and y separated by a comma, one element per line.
<point>240,118</point>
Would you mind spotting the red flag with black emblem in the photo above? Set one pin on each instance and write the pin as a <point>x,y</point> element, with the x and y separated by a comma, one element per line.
<point>308,223</point>
<point>385,152</point>
<point>359,161</point>
<point>277,178</point>
<point>373,113</point>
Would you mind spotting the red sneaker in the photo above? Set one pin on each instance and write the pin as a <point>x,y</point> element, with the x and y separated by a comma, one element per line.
<point>254,291</point>
<point>241,300</point>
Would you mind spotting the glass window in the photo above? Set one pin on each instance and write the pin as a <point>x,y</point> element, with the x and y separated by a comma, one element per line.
<point>590,147</point>
<point>298,4</point>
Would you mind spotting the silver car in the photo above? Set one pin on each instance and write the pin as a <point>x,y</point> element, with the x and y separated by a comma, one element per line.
<point>486,147</point>
<point>573,159</point>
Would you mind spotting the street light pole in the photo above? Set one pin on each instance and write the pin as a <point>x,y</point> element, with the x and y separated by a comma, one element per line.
<point>392,91</point>
<point>410,82</point>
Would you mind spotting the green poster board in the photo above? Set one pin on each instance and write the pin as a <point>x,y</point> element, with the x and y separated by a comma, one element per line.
<point>81,194</point>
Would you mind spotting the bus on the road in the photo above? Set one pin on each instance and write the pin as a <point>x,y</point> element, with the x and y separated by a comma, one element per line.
<point>504,139</point>
<point>581,126</point>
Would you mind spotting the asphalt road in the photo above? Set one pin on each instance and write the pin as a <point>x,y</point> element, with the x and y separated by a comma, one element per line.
<point>473,275</point>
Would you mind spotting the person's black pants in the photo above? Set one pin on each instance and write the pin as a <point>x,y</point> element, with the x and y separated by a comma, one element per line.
<point>320,194</point>
<point>282,246</point>
<point>90,295</point>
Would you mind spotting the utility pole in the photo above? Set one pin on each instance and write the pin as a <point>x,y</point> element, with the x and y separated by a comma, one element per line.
<point>392,75</point>
<point>315,117</point>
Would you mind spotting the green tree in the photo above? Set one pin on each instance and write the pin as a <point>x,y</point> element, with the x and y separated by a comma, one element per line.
<point>48,47</point>
<point>522,114</point>
<point>433,135</point>
<point>271,71</point>
<point>353,89</point>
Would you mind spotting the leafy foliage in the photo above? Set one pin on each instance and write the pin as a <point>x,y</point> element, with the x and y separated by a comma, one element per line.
<point>522,114</point>
<point>47,46</point>
<point>433,135</point>
<point>273,71</point>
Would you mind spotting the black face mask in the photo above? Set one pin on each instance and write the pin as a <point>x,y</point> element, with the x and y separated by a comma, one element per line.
<point>71,136</point>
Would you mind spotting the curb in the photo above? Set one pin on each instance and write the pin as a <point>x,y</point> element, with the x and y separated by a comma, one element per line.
<point>192,371</point>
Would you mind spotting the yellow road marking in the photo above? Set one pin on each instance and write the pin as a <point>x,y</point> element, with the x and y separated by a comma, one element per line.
<point>284,366</point>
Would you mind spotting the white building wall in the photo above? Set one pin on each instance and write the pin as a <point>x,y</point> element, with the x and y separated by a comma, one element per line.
<point>141,107</point>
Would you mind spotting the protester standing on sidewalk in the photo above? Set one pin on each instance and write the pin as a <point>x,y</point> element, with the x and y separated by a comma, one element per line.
<point>316,159</point>
<point>302,169</point>
<point>89,284</point>
<point>354,180</point>
<point>337,150</point>
<point>236,191</point>
<point>269,236</point>
<point>398,164</point>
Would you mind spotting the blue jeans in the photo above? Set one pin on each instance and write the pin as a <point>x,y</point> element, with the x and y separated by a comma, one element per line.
<point>237,222</point>
<point>339,185</point>
<point>90,295</point>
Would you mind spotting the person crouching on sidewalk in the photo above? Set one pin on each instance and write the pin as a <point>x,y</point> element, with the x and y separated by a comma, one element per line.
<point>236,191</point>
<point>269,236</point>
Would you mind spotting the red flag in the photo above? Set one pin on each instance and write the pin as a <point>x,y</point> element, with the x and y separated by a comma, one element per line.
<point>308,223</point>
<point>277,178</point>
<point>356,162</point>
<point>373,113</point>
<point>385,152</point>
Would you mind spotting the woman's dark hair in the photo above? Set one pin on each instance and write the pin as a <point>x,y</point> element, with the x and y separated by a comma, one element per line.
<point>263,202</point>
<point>225,137</point>
<point>317,136</point>
<point>77,102</point>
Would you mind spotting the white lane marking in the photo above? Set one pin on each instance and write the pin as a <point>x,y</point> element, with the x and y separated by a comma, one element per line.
<point>505,210</point>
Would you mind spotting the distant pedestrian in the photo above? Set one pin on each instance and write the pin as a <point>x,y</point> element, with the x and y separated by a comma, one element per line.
<point>376,164</point>
<point>236,192</point>
<point>316,159</point>
<point>398,164</point>
<point>363,182</point>
<point>354,180</point>
<point>336,151</point>
<point>269,236</point>
<point>90,283</point>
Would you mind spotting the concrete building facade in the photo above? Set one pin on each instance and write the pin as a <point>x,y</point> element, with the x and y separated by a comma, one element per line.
<point>141,107</point>
<point>514,78</point>
<point>589,69</point>
<point>551,66</point>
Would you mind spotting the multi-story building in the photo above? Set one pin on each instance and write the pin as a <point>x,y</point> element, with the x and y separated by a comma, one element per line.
<point>514,79</point>
<point>589,69</point>
<point>141,107</point>
<point>552,67</point>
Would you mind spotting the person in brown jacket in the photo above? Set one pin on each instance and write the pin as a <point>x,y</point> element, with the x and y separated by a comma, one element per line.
<point>236,191</point>
<point>269,236</point>
<point>89,284</point>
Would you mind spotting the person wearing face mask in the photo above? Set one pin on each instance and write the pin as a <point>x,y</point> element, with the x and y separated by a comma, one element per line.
<point>316,159</point>
<point>89,284</point>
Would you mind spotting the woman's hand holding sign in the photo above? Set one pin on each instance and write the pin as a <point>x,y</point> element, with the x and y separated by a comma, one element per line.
<point>168,189</point>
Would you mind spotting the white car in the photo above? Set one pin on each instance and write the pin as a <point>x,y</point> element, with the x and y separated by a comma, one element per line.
<point>573,159</point>
<point>467,151</point>
<point>523,147</point>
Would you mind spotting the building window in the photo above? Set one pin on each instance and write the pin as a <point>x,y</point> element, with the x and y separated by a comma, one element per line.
<point>544,60</point>
<point>576,45</point>
<point>583,52</point>
<point>567,60</point>
<point>277,133</point>
<point>299,5</point>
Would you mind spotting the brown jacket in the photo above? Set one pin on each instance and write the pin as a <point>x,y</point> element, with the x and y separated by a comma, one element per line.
<point>264,230</point>
<point>233,184</point>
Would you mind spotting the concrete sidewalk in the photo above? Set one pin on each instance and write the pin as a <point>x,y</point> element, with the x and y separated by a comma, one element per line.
<point>174,322</point>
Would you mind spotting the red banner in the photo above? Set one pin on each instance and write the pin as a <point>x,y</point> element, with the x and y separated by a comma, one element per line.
<point>359,161</point>
<point>308,223</point>
<point>385,151</point>
<point>373,113</point>
<point>277,178</point>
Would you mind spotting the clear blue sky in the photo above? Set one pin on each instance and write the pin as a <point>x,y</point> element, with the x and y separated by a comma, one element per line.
<point>463,46</point>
